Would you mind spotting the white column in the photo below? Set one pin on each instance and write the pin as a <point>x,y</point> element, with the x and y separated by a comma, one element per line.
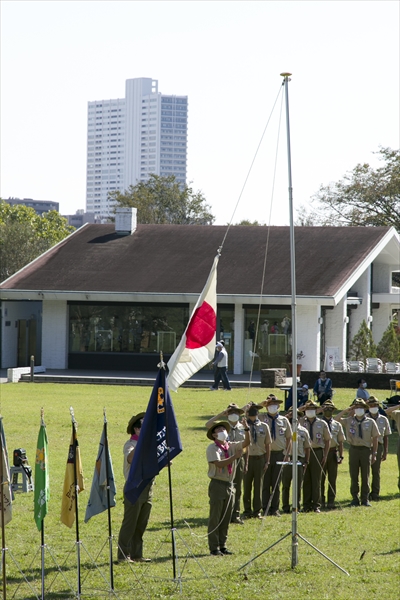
<point>55,334</point>
<point>336,327</point>
<point>239,340</point>
<point>308,336</point>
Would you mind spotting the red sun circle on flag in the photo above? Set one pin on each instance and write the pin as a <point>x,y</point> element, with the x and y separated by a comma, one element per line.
<point>201,329</point>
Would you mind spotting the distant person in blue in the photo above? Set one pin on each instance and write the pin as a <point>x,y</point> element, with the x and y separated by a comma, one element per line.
<point>362,390</point>
<point>220,365</point>
<point>302,396</point>
<point>323,388</point>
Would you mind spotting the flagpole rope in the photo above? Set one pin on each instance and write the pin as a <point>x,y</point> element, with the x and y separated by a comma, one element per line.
<point>251,167</point>
<point>266,250</point>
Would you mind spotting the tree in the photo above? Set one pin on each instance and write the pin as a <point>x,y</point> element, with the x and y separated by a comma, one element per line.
<point>24,235</point>
<point>362,345</point>
<point>164,200</point>
<point>248,222</point>
<point>388,348</point>
<point>364,197</point>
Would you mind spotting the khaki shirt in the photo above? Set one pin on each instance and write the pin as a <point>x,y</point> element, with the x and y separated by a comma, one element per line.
<point>320,431</point>
<point>257,447</point>
<point>237,433</point>
<point>129,446</point>
<point>283,431</point>
<point>383,426</point>
<point>368,427</point>
<point>337,432</point>
<point>214,453</point>
<point>303,440</point>
<point>395,415</point>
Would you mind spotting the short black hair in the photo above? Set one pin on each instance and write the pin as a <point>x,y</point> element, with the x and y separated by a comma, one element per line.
<point>136,425</point>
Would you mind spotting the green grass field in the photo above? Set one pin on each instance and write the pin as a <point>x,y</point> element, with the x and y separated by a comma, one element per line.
<point>343,534</point>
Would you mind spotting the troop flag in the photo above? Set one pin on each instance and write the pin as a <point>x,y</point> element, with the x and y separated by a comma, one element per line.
<point>151,454</point>
<point>197,345</point>
<point>5,480</point>
<point>103,480</point>
<point>42,487</point>
<point>70,490</point>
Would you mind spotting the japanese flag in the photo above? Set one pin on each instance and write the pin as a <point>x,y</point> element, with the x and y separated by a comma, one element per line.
<point>197,346</point>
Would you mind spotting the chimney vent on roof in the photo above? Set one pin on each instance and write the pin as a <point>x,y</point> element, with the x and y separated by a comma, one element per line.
<point>125,220</point>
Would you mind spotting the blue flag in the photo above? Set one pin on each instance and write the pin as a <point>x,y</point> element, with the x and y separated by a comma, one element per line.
<point>98,501</point>
<point>151,449</point>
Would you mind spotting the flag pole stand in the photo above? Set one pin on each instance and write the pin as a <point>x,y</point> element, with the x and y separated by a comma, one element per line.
<point>294,532</point>
<point>108,502</point>
<point>77,539</point>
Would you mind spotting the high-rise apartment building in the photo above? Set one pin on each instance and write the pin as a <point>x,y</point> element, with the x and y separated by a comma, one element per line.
<point>129,138</point>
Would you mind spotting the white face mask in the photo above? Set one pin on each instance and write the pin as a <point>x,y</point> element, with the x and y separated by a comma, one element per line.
<point>222,436</point>
<point>359,412</point>
<point>234,418</point>
<point>310,414</point>
<point>374,410</point>
<point>273,409</point>
<point>364,385</point>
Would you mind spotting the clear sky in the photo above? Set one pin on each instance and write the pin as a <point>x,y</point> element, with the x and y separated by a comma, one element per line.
<point>227,57</point>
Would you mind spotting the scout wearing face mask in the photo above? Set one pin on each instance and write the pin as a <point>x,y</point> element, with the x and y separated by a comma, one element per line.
<point>335,456</point>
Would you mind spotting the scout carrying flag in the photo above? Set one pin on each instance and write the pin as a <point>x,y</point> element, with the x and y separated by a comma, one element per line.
<point>42,488</point>
<point>73,481</point>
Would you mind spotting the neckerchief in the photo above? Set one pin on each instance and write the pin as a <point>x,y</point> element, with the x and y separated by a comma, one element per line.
<point>273,430</point>
<point>225,450</point>
<point>253,430</point>
<point>134,437</point>
<point>329,421</point>
<point>360,435</point>
<point>311,428</point>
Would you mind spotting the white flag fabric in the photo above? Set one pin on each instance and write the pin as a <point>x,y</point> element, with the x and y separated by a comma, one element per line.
<point>197,346</point>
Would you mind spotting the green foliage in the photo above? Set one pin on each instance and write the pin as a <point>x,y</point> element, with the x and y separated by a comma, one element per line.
<point>247,222</point>
<point>362,345</point>
<point>364,197</point>
<point>24,235</point>
<point>343,534</point>
<point>164,200</point>
<point>388,348</point>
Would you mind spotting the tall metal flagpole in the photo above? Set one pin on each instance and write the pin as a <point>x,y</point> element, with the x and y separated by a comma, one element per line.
<point>295,509</point>
<point>294,335</point>
<point>42,522</point>
<point>108,499</point>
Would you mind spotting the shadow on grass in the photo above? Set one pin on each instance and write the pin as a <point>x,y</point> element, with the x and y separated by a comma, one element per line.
<point>396,551</point>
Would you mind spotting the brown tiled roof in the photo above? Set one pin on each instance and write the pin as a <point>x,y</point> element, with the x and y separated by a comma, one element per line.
<point>178,258</point>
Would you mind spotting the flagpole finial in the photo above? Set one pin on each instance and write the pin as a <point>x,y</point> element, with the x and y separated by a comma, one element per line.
<point>71,410</point>
<point>104,415</point>
<point>161,364</point>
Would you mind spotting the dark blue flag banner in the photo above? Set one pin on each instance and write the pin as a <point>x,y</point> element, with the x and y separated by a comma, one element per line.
<point>151,450</point>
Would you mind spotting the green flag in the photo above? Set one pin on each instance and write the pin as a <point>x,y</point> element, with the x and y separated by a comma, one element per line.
<point>42,489</point>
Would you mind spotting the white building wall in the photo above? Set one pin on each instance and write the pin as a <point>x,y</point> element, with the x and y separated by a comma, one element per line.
<point>308,336</point>
<point>362,312</point>
<point>11,313</point>
<point>382,277</point>
<point>239,339</point>
<point>336,327</point>
<point>55,334</point>
<point>382,318</point>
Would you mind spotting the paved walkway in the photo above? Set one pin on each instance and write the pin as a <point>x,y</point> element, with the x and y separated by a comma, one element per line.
<point>200,379</point>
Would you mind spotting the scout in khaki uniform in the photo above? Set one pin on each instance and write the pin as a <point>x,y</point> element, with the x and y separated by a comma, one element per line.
<point>136,516</point>
<point>221,454</point>
<point>236,434</point>
<point>281,436</point>
<point>361,433</point>
<point>384,432</point>
<point>320,437</point>
<point>257,460</point>
<point>335,455</point>
<point>394,413</point>
<point>303,456</point>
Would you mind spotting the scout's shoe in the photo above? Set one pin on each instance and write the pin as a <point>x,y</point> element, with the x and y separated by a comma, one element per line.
<point>355,502</point>
<point>237,520</point>
<point>225,551</point>
<point>216,553</point>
